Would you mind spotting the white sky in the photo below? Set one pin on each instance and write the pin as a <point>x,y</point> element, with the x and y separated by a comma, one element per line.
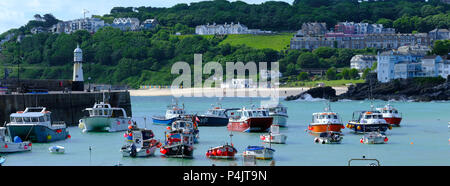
<point>16,13</point>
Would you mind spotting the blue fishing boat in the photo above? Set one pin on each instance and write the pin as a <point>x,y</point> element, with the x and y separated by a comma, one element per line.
<point>35,124</point>
<point>172,113</point>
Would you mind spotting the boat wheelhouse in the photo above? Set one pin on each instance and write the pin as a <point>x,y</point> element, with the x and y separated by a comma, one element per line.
<point>103,117</point>
<point>180,145</point>
<point>391,115</point>
<point>249,120</point>
<point>185,125</point>
<point>35,124</point>
<point>278,112</point>
<point>216,116</point>
<point>7,144</point>
<point>368,121</point>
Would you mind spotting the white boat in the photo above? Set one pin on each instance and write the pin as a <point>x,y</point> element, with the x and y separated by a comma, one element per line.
<point>274,136</point>
<point>103,117</point>
<point>56,149</point>
<point>140,143</point>
<point>278,112</point>
<point>374,138</point>
<point>7,144</point>
<point>260,152</point>
<point>329,138</point>
<point>326,121</point>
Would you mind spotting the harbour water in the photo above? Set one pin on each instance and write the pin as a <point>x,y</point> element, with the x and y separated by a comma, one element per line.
<point>422,139</point>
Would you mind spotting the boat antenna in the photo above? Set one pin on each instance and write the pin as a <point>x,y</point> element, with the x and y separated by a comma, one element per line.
<point>90,158</point>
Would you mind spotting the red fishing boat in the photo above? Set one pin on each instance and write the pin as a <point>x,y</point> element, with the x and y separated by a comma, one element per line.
<point>249,120</point>
<point>222,152</point>
<point>391,115</point>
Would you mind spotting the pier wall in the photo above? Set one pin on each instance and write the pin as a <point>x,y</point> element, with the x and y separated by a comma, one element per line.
<point>64,106</point>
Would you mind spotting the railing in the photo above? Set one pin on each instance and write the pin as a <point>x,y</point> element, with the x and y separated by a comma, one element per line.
<point>364,159</point>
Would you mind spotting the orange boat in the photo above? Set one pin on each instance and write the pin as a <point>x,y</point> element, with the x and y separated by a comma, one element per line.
<point>325,122</point>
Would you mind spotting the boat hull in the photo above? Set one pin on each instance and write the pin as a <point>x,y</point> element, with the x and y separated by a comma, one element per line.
<point>10,147</point>
<point>279,138</point>
<point>265,154</point>
<point>251,125</point>
<point>373,140</point>
<point>317,129</point>
<point>140,152</point>
<point>280,120</point>
<point>212,121</point>
<point>102,124</point>
<point>178,151</point>
<point>38,133</point>
<point>393,121</point>
<point>162,121</point>
<point>364,128</point>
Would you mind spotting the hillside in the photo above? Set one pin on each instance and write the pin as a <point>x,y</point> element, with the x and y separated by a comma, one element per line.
<point>276,41</point>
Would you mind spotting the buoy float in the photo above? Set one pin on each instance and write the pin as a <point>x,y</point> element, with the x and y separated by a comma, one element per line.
<point>359,127</point>
<point>361,140</point>
<point>69,136</point>
<point>118,122</point>
<point>125,135</point>
<point>49,137</point>
<point>6,145</point>
<point>163,151</point>
<point>386,139</point>
<point>412,143</point>
<point>263,138</point>
<point>148,151</point>
<point>29,144</point>
<point>168,128</point>
<point>130,127</point>
<point>129,122</point>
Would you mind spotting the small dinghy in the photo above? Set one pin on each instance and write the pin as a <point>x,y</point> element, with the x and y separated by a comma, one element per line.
<point>260,152</point>
<point>274,136</point>
<point>330,137</point>
<point>56,149</point>
<point>2,160</point>
<point>374,138</point>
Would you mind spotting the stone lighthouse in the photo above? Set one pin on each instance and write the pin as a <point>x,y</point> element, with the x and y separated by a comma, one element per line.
<point>78,80</point>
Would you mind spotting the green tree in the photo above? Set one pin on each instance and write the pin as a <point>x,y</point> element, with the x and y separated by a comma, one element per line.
<point>331,74</point>
<point>307,60</point>
<point>303,76</point>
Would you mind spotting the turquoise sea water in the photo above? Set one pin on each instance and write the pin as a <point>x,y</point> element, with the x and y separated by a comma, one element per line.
<point>424,125</point>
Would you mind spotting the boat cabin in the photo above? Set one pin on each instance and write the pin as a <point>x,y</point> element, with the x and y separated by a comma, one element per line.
<point>105,110</point>
<point>142,137</point>
<point>276,109</point>
<point>326,118</point>
<point>244,113</point>
<point>217,112</point>
<point>32,115</point>
<point>175,112</point>
<point>367,116</point>
<point>182,125</point>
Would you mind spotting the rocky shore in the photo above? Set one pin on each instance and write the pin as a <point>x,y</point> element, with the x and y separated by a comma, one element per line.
<point>417,89</point>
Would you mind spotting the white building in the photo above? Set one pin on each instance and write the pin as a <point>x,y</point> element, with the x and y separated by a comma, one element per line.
<point>127,23</point>
<point>361,62</point>
<point>91,25</point>
<point>226,28</point>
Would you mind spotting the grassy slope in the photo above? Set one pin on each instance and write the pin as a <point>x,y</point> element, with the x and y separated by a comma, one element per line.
<point>277,42</point>
<point>332,83</point>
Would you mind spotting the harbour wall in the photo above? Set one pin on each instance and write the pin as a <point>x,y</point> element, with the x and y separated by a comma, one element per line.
<point>67,107</point>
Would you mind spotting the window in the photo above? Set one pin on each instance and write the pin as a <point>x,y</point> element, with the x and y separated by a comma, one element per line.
<point>19,119</point>
<point>26,119</point>
<point>13,119</point>
<point>41,119</point>
<point>34,119</point>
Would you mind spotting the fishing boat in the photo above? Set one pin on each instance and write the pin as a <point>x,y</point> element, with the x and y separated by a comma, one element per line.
<point>57,149</point>
<point>274,135</point>
<point>8,145</point>
<point>368,121</point>
<point>260,152</point>
<point>103,117</point>
<point>329,138</point>
<point>139,143</point>
<point>173,112</point>
<point>249,120</point>
<point>391,115</point>
<point>35,124</point>
<point>374,138</point>
<point>216,116</point>
<point>226,151</point>
<point>185,124</point>
<point>278,112</point>
<point>182,147</point>
<point>325,121</point>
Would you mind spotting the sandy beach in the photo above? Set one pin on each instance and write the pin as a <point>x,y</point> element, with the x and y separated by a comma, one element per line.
<point>212,92</point>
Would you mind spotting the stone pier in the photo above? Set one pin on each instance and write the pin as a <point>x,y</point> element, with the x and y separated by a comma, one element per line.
<point>64,106</point>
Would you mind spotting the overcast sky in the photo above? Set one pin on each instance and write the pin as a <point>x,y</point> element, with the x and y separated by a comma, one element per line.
<point>16,13</point>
